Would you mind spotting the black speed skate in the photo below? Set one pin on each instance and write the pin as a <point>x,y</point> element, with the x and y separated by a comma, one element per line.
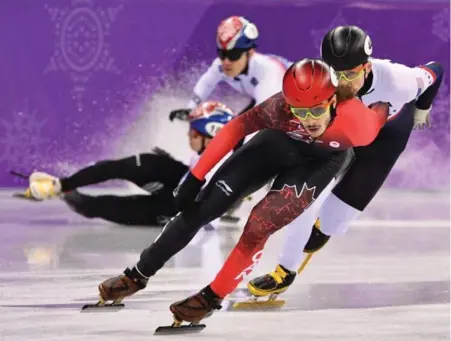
<point>117,288</point>
<point>269,285</point>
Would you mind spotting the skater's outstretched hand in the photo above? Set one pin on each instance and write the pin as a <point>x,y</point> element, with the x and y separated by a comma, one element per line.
<point>180,114</point>
<point>185,194</point>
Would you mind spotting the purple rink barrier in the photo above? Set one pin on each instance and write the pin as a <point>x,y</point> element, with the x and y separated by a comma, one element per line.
<point>83,80</point>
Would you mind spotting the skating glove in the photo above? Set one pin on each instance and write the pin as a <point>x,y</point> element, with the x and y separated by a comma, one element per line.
<point>421,119</point>
<point>180,114</point>
<point>185,194</point>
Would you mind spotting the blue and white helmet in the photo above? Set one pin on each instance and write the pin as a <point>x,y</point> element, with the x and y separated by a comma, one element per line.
<point>236,33</point>
<point>209,117</point>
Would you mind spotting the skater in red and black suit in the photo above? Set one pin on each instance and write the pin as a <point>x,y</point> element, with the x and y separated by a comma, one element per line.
<point>305,142</point>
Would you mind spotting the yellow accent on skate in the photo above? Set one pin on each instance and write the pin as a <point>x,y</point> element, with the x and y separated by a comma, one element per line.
<point>254,304</point>
<point>310,255</point>
<point>26,195</point>
<point>176,323</point>
<point>44,186</point>
<point>305,262</point>
<point>102,305</point>
<point>278,275</point>
<point>271,302</point>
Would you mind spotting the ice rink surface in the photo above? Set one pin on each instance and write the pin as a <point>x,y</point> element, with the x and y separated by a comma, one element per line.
<point>388,278</point>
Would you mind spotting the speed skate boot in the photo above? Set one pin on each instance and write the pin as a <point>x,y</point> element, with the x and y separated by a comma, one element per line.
<point>271,284</point>
<point>41,186</point>
<point>192,309</point>
<point>278,281</point>
<point>115,289</point>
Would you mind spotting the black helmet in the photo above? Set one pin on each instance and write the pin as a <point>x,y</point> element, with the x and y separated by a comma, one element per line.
<point>346,47</point>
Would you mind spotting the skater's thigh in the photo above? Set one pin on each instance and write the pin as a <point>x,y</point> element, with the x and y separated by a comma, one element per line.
<point>369,171</point>
<point>246,171</point>
<point>255,163</point>
<point>310,214</point>
<point>374,163</point>
<point>147,168</point>
<point>296,189</point>
<point>128,168</point>
<point>293,191</point>
<point>134,209</point>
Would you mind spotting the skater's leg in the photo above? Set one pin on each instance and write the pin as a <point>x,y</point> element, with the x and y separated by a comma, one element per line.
<point>292,193</point>
<point>144,210</point>
<point>359,185</point>
<point>296,235</point>
<point>140,169</point>
<point>298,232</point>
<point>245,171</point>
<point>366,176</point>
<point>182,228</point>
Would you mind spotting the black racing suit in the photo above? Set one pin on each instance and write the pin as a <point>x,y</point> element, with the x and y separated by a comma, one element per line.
<point>158,173</point>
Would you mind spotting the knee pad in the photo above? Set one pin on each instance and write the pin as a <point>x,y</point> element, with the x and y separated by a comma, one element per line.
<point>317,239</point>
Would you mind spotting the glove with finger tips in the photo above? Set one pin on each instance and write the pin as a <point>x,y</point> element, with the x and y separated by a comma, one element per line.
<point>421,119</point>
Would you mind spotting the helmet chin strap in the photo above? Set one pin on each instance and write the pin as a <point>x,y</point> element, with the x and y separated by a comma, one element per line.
<point>366,85</point>
<point>203,145</point>
<point>246,68</point>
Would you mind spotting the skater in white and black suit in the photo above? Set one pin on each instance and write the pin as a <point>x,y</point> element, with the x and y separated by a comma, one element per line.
<point>410,92</point>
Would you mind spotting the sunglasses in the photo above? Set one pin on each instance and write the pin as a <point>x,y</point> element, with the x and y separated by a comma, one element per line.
<point>316,112</point>
<point>232,55</point>
<point>350,75</point>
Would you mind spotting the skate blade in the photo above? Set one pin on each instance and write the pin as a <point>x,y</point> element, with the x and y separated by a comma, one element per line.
<point>182,329</point>
<point>102,307</point>
<point>19,175</point>
<point>24,196</point>
<point>256,305</point>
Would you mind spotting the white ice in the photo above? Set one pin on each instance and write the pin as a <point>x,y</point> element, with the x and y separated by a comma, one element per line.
<point>387,279</point>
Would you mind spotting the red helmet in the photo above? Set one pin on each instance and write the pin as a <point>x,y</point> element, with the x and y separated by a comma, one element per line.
<point>309,82</point>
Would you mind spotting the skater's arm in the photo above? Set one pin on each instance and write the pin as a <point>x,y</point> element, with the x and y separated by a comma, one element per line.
<point>255,119</point>
<point>435,72</point>
<point>206,84</point>
<point>405,84</point>
<point>356,125</point>
<point>269,81</point>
